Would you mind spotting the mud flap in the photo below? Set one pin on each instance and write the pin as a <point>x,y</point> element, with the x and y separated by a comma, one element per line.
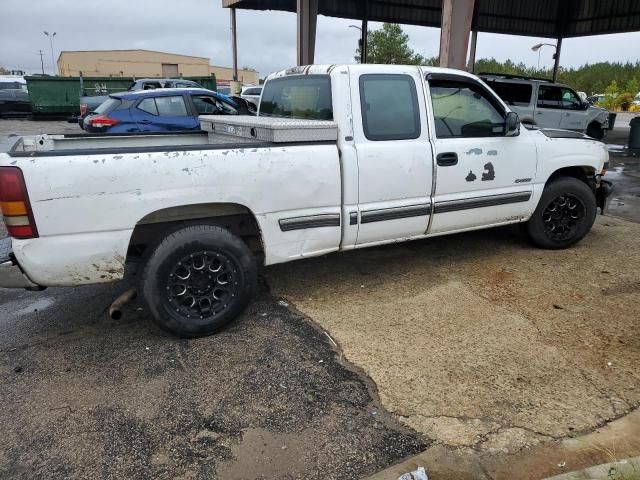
<point>603,192</point>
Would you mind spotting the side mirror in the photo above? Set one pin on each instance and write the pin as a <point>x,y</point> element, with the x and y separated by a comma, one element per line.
<point>586,105</point>
<point>512,125</point>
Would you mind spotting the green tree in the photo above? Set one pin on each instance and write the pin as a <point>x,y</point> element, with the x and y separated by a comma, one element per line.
<point>391,45</point>
<point>632,86</point>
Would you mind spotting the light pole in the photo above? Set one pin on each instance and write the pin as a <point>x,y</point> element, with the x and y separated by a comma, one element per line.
<point>362,41</point>
<point>41,53</point>
<point>53,63</point>
<point>538,48</point>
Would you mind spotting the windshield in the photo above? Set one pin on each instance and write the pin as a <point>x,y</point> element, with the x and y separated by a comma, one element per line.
<point>13,86</point>
<point>307,97</point>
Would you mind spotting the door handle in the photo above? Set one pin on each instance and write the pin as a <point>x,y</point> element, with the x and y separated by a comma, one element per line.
<point>146,122</point>
<point>447,159</point>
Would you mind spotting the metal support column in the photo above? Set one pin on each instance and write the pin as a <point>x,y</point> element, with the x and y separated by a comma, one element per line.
<point>307,20</point>
<point>556,63</point>
<point>364,42</point>
<point>457,16</point>
<point>471,64</point>
<point>234,44</point>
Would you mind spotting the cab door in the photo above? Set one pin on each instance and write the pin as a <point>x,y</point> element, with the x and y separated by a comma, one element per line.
<point>574,115</point>
<point>483,177</point>
<point>395,160</point>
<point>549,110</point>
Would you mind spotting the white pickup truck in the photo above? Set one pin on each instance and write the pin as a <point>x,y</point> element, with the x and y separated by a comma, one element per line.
<point>340,157</point>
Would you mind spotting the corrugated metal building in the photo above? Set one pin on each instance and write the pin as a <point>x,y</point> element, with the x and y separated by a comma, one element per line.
<point>144,63</point>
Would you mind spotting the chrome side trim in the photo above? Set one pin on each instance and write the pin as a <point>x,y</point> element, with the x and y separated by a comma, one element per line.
<point>370,216</point>
<point>311,221</point>
<point>480,202</point>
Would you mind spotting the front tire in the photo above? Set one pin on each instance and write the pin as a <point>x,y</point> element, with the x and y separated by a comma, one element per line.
<point>198,280</point>
<point>564,215</point>
<point>595,130</point>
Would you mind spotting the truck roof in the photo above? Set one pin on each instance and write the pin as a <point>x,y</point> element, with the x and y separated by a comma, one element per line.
<point>367,67</point>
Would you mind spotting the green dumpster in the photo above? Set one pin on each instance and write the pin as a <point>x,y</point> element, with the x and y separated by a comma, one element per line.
<point>60,96</point>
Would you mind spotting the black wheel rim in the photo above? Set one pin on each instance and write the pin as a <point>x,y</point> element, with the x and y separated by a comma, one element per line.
<point>563,216</point>
<point>202,285</point>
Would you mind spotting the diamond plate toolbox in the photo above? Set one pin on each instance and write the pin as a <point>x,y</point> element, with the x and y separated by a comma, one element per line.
<point>270,129</point>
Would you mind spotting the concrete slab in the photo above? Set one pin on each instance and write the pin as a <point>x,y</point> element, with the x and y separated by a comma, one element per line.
<point>480,340</point>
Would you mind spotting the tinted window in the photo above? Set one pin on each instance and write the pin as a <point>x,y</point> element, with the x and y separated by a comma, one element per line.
<point>465,110</point>
<point>171,106</point>
<point>518,94</point>
<point>306,96</point>
<point>549,97</point>
<point>252,91</point>
<point>389,106</point>
<point>151,85</point>
<point>107,106</point>
<point>148,105</point>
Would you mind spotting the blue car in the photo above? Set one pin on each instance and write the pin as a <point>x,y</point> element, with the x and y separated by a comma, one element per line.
<point>162,110</point>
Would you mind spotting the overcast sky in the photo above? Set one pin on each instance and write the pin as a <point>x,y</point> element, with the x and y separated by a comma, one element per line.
<point>266,40</point>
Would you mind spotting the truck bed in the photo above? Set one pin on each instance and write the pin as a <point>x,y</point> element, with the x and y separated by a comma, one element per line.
<point>218,131</point>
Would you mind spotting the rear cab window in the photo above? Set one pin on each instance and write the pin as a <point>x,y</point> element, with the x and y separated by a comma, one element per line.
<point>390,109</point>
<point>298,96</point>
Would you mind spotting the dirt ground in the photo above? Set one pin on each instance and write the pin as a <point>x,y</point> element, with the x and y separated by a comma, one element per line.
<point>480,340</point>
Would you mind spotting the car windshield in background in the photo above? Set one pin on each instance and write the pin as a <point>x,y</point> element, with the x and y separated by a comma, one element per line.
<point>13,86</point>
<point>517,94</point>
<point>307,97</point>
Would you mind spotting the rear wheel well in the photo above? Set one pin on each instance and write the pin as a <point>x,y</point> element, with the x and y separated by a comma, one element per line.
<point>153,228</point>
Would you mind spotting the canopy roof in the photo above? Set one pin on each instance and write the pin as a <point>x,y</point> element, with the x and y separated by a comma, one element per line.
<point>536,18</point>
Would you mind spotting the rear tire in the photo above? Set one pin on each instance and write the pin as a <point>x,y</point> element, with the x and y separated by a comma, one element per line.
<point>564,215</point>
<point>198,280</point>
<point>595,130</point>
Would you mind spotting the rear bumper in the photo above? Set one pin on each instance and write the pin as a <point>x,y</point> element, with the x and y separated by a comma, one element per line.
<point>11,276</point>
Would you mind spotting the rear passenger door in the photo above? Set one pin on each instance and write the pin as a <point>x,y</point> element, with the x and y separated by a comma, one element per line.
<point>482,176</point>
<point>394,156</point>
<point>165,114</point>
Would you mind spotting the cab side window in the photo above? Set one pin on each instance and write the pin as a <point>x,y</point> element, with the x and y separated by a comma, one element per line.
<point>463,110</point>
<point>549,97</point>
<point>570,100</point>
<point>389,106</point>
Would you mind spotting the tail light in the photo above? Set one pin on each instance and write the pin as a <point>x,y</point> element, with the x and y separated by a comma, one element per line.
<point>83,109</point>
<point>102,121</point>
<point>14,204</point>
